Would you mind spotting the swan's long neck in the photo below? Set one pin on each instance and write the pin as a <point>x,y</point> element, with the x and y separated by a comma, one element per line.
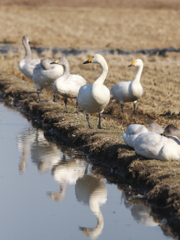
<point>27,51</point>
<point>100,80</point>
<point>66,70</point>
<point>63,186</point>
<point>58,196</point>
<point>138,73</point>
<point>24,158</point>
<point>100,220</point>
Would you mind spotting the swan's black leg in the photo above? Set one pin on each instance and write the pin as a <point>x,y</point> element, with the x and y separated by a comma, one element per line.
<point>38,93</point>
<point>122,107</point>
<point>99,124</point>
<point>87,118</point>
<point>54,98</point>
<point>134,106</point>
<point>65,103</point>
<point>76,107</point>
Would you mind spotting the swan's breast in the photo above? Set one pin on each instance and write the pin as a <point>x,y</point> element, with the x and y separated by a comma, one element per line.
<point>101,95</point>
<point>127,91</point>
<point>137,89</point>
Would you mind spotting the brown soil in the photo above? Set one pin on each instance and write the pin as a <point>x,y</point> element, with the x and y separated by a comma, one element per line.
<point>127,25</point>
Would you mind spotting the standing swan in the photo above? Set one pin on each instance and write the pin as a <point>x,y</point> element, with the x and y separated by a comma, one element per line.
<point>95,97</point>
<point>129,91</point>
<point>45,74</point>
<point>67,85</point>
<point>27,65</point>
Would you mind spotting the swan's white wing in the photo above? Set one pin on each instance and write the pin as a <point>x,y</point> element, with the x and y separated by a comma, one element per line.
<point>132,132</point>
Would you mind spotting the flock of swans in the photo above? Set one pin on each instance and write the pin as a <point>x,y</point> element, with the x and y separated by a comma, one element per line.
<point>150,141</point>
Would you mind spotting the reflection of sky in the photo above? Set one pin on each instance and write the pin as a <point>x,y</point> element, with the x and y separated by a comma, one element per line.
<point>27,212</point>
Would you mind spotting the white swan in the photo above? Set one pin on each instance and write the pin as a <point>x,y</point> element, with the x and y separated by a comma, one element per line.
<point>67,173</point>
<point>67,85</point>
<point>134,130</point>
<point>27,65</point>
<point>25,140</point>
<point>129,91</point>
<point>45,154</point>
<point>95,97</point>
<point>45,74</point>
<point>140,212</point>
<point>92,191</point>
<point>156,146</point>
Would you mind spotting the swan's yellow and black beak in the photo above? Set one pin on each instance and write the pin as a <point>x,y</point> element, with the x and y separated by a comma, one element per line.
<point>86,232</point>
<point>88,61</point>
<point>163,133</point>
<point>55,62</point>
<point>132,64</point>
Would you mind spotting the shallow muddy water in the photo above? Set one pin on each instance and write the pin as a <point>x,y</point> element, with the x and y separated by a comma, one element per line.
<point>48,191</point>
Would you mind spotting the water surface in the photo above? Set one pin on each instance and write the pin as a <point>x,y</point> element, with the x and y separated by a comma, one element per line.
<point>49,192</point>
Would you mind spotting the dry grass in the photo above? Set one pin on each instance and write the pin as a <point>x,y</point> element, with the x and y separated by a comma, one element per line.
<point>101,28</point>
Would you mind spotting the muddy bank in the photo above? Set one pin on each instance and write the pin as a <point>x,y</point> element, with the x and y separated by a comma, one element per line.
<point>158,181</point>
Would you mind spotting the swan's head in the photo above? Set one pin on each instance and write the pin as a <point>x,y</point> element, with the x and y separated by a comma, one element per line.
<point>61,61</point>
<point>153,126</point>
<point>25,38</point>
<point>55,196</point>
<point>84,230</point>
<point>45,61</point>
<point>171,130</point>
<point>97,58</point>
<point>136,63</point>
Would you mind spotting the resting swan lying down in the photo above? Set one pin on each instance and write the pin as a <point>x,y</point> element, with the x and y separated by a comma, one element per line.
<point>27,65</point>
<point>67,85</point>
<point>93,98</point>
<point>158,146</point>
<point>133,131</point>
<point>129,91</point>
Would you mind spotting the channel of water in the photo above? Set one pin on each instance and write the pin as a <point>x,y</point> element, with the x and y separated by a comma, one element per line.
<point>49,191</point>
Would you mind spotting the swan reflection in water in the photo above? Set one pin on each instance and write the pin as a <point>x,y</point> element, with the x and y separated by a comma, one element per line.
<point>140,212</point>
<point>43,153</point>
<point>92,191</point>
<point>66,172</point>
